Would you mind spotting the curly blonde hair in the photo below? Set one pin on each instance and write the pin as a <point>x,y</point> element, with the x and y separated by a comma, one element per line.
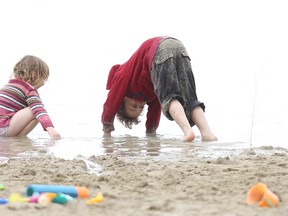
<point>31,69</point>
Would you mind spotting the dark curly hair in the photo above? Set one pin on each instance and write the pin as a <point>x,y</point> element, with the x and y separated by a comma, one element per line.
<point>125,119</point>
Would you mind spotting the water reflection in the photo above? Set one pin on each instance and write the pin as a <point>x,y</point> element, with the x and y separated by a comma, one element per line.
<point>131,146</point>
<point>172,148</point>
<point>16,147</point>
<point>121,146</point>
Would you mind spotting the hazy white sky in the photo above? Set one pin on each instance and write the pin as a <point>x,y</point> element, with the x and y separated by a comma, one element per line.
<point>231,44</point>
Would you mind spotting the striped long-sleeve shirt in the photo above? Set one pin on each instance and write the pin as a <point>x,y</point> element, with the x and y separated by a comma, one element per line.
<point>17,95</point>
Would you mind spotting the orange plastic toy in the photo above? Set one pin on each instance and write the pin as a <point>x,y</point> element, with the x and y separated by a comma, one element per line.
<point>261,195</point>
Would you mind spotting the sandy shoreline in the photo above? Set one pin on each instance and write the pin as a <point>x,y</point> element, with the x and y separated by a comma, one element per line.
<point>149,186</point>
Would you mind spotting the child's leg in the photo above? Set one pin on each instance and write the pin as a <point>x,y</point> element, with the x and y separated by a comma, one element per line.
<point>22,123</point>
<point>198,117</point>
<point>178,114</point>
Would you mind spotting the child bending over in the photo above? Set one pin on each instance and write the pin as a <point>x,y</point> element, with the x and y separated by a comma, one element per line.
<point>160,75</point>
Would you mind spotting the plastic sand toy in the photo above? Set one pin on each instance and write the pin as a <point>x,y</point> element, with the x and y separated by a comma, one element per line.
<point>261,195</point>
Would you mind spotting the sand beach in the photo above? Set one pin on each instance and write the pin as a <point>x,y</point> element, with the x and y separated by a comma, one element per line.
<point>181,183</point>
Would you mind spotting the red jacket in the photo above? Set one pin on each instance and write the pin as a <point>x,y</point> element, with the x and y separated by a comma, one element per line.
<point>132,79</point>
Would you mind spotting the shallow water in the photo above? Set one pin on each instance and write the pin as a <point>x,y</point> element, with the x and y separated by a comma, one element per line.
<point>123,146</point>
<point>126,147</point>
<point>82,138</point>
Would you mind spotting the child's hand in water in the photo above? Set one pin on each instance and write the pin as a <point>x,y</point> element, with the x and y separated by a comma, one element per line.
<point>53,133</point>
<point>107,134</point>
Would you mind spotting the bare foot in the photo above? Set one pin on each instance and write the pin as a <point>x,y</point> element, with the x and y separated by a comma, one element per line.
<point>209,137</point>
<point>189,137</point>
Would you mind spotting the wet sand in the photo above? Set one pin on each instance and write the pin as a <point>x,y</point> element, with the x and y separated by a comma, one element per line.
<point>141,182</point>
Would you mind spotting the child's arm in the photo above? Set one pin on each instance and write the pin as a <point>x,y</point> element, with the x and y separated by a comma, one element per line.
<point>53,133</point>
<point>35,103</point>
<point>113,102</point>
<point>153,117</point>
<point>107,134</point>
